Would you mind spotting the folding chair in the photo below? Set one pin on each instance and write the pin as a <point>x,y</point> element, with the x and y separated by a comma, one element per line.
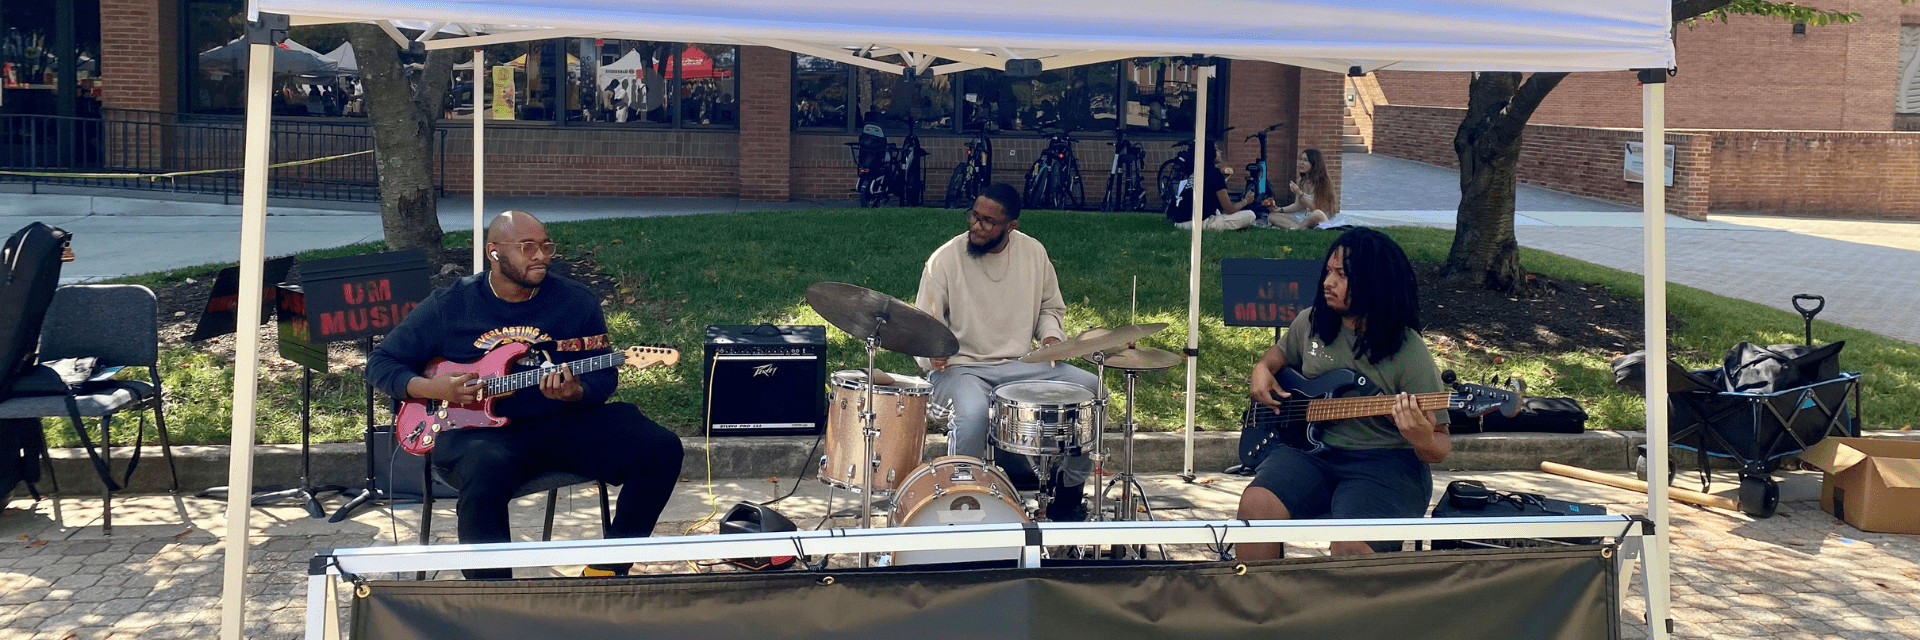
<point>114,324</point>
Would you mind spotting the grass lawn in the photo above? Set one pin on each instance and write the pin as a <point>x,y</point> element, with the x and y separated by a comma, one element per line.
<point>677,275</point>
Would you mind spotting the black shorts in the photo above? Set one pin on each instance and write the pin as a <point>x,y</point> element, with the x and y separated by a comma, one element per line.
<point>1348,484</point>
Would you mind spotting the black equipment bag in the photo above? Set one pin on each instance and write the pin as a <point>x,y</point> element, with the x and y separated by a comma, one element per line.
<point>1472,499</point>
<point>1539,415</point>
<point>31,264</point>
<point>1751,367</point>
<point>873,147</point>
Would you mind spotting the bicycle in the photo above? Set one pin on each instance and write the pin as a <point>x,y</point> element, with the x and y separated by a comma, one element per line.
<point>1053,181</point>
<point>973,174</point>
<point>912,172</point>
<point>1179,168</point>
<point>1257,181</point>
<point>1125,191</point>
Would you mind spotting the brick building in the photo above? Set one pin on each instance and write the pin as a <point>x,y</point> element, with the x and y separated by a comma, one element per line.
<point>579,117</point>
<point>1766,117</point>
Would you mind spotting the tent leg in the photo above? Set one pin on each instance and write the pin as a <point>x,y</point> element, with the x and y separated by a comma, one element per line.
<point>253,242</point>
<point>1193,260</point>
<point>479,155</point>
<point>1654,116</point>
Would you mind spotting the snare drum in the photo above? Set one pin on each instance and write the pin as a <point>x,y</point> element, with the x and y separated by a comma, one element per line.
<point>956,490</point>
<point>900,414</point>
<point>1044,417</point>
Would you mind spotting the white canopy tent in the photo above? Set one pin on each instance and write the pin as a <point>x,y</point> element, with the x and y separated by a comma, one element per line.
<point>1337,36</point>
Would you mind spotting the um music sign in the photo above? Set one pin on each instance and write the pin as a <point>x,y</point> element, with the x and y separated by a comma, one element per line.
<point>1266,293</point>
<point>361,296</point>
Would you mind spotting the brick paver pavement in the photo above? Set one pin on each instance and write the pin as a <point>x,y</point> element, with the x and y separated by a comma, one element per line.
<point>1800,574</point>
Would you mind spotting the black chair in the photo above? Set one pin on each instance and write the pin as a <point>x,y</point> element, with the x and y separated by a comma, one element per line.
<point>115,325</point>
<point>550,482</point>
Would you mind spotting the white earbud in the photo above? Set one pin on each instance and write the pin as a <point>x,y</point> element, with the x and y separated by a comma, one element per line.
<point>496,255</point>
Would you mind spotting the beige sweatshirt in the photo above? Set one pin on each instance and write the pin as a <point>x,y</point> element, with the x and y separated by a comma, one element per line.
<point>997,304</point>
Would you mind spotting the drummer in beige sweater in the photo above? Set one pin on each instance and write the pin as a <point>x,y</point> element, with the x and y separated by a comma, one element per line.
<point>995,288</point>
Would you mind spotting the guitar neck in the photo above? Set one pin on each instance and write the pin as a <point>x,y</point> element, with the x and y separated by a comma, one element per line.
<point>1344,408</point>
<point>524,379</point>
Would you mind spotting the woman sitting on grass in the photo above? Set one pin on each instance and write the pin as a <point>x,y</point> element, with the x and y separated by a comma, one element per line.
<point>1314,203</point>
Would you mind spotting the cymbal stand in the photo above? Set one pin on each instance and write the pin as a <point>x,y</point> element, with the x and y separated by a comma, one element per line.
<point>1129,484</point>
<point>1099,453</point>
<point>868,432</point>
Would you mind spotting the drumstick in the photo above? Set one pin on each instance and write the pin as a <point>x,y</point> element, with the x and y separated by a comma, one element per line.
<point>1577,473</point>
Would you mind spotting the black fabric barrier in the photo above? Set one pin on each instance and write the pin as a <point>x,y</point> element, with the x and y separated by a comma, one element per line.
<point>1560,593</point>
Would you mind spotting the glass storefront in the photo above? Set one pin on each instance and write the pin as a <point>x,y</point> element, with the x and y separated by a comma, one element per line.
<point>50,57</point>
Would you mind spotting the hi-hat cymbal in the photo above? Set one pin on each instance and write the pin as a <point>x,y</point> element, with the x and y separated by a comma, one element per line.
<point>1093,340</point>
<point>1141,359</point>
<point>900,327</point>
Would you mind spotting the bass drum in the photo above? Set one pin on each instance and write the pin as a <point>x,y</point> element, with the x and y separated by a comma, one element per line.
<point>956,490</point>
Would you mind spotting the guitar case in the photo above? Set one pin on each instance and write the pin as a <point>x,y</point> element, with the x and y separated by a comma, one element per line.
<point>30,261</point>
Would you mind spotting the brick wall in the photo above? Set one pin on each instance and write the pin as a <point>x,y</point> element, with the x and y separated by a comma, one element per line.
<point>552,161</point>
<point>1579,160</point>
<point>1749,73</point>
<point>766,171</point>
<point>139,53</point>
<point>1818,173</point>
<point>1367,96</point>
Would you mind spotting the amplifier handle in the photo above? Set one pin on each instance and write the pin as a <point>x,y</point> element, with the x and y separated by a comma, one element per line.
<point>767,329</point>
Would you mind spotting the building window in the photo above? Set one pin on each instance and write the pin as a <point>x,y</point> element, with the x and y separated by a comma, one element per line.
<point>637,83</point>
<point>820,93</point>
<point>1907,92</point>
<point>314,71</point>
<point>50,57</point>
<point>890,100</point>
<point>1159,95</point>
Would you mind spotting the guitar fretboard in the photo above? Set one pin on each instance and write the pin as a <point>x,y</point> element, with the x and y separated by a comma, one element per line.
<point>524,379</point>
<point>1344,408</point>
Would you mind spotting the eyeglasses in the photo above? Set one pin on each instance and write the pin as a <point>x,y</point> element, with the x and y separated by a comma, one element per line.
<point>974,217</point>
<point>532,249</point>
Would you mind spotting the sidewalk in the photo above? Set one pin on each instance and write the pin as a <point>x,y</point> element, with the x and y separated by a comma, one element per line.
<point>1800,574</point>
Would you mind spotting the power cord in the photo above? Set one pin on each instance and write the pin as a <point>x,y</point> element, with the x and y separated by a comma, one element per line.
<point>802,472</point>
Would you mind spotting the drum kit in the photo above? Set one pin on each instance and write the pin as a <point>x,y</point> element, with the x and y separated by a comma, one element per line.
<point>877,423</point>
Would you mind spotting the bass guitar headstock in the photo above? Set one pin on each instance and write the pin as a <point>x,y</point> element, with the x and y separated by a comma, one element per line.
<point>1479,400</point>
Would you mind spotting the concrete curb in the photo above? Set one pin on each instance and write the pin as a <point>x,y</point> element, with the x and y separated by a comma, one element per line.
<point>345,463</point>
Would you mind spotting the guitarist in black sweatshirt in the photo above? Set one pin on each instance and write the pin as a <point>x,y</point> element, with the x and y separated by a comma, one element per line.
<point>1367,319</point>
<point>566,424</point>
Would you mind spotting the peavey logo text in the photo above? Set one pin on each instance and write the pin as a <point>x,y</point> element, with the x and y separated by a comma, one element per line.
<point>764,370</point>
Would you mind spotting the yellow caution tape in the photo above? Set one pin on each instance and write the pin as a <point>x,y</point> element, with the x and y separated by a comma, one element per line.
<point>156,177</point>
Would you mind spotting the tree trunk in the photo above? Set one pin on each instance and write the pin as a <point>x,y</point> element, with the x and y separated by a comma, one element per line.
<point>1485,252</point>
<point>402,111</point>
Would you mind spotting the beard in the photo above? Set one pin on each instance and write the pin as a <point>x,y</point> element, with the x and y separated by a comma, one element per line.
<point>518,275</point>
<point>978,250</point>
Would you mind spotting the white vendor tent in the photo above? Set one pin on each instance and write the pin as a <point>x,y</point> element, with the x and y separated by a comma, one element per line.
<point>1329,35</point>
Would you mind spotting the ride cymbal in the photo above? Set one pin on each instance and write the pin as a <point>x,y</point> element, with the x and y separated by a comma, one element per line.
<point>863,312</point>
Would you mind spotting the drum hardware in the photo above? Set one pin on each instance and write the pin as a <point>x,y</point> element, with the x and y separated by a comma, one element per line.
<point>880,321</point>
<point>1131,361</point>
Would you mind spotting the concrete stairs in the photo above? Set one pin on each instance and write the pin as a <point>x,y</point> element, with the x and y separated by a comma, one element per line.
<point>1350,139</point>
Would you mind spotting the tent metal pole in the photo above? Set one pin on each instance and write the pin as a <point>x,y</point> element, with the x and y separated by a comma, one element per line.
<point>1654,194</point>
<point>1193,256</point>
<point>479,154</point>
<point>246,360</point>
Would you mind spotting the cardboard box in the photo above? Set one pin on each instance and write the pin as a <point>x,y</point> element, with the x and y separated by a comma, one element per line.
<point>1871,483</point>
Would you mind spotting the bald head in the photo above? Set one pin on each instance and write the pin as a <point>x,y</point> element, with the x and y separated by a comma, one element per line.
<point>513,226</point>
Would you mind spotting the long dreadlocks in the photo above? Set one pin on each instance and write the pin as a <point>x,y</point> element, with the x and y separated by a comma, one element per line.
<point>1381,292</point>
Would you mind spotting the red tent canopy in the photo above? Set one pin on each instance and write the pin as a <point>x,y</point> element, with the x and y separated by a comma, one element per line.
<point>696,64</point>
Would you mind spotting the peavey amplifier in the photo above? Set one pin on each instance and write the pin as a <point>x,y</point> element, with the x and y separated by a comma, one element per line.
<point>765,380</point>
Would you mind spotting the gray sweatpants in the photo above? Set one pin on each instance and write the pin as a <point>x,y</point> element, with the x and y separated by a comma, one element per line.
<point>969,388</point>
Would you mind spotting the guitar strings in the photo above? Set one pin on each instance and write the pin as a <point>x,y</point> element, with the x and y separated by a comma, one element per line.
<point>1294,410</point>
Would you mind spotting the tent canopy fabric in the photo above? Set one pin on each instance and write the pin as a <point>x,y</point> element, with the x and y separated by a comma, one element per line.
<point>1430,35</point>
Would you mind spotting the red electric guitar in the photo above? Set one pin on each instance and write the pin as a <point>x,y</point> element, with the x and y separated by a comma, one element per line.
<point>420,421</point>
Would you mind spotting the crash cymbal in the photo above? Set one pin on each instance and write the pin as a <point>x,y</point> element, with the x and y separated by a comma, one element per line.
<point>1141,359</point>
<point>1093,340</point>
<point>862,312</point>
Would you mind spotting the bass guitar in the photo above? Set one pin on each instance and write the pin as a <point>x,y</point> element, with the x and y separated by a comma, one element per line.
<point>1346,393</point>
<point>420,421</point>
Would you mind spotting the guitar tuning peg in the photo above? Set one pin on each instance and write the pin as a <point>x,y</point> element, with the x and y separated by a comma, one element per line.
<point>1449,377</point>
